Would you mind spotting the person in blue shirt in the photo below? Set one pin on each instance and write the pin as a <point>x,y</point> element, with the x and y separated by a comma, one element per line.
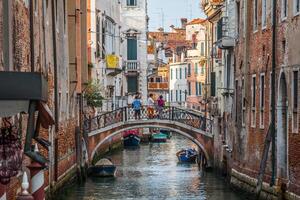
<point>137,105</point>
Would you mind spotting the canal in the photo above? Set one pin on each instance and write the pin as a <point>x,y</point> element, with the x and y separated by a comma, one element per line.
<point>152,172</point>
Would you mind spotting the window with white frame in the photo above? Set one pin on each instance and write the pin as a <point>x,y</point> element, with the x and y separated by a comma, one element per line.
<point>264,13</point>
<point>296,7</point>
<point>295,101</point>
<point>262,100</point>
<point>253,101</point>
<point>284,8</point>
<point>131,3</point>
<point>243,102</point>
<point>255,14</point>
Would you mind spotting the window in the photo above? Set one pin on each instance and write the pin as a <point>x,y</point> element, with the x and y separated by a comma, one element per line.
<point>180,73</point>
<point>253,101</point>
<point>295,101</point>
<point>185,94</point>
<point>132,48</point>
<point>171,92</point>
<point>243,102</point>
<point>296,7</point>
<point>131,2</point>
<point>132,83</point>
<point>189,88</point>
<point>171,74</point>
<point>189,69</point>
<point>264,14</point>
<point>238,19</point>
<point>200,89</point>
<point>270,98</point>
<point>255,14</point>
<point>284,9</point>
<point>202,48</point>
<point>180,95</point>
<point>176,73</point>
<point>185,72</point>
<point>203,70</point>
<point>176,95</point>
<point>262,100</point>
<point>197,89</point>
<point>196,69</point>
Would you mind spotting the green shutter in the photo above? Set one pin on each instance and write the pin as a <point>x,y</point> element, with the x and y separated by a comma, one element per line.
<point>132,84</point>
<point>213,84</point>
<point>219,29</point>
<point>131,49</point>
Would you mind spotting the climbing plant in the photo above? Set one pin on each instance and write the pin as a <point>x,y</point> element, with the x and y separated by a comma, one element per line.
<point>93,94</point>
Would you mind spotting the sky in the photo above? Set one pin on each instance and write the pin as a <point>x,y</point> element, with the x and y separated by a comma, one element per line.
<point>169,12</point>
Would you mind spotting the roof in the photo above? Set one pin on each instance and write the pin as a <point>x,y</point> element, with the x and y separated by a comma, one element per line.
<point>196,21</point>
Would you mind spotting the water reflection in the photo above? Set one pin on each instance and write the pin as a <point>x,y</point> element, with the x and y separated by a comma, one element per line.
<point>152,172</point>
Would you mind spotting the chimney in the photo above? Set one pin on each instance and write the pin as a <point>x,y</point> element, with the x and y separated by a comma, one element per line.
<point>161,29</point>
<point>183,22</point>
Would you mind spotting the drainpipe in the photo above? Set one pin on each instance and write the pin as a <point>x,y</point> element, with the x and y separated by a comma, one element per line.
<point>55,91</point>
<point>273,130</point>
<point>32,34</point>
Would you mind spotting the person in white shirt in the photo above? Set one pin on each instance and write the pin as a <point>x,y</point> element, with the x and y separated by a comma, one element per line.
<point>150,108</point>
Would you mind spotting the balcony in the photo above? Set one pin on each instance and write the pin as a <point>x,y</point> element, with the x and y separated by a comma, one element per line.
<point>132,66</point>
<point>158,86</point>
<point>23,86</point>
<point>226,43</point>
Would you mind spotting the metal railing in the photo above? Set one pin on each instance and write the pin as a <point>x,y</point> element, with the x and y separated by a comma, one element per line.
<point>127,114</point>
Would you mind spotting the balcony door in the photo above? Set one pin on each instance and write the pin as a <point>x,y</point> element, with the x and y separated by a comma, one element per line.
<point>132,48</point>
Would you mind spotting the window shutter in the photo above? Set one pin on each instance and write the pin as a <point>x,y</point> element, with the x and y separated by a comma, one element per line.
<point>219,29</point>
<point>132,83</point>
<point>131,49</point>
<point>213,84</point>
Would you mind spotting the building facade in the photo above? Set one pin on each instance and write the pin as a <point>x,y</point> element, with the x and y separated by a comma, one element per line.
<point>40,53</point>
<point>197,65</point>
<point>253,78</point>
<point>134,45</point>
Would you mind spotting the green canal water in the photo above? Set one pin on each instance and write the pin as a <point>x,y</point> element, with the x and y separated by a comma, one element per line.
<point>153,172</point>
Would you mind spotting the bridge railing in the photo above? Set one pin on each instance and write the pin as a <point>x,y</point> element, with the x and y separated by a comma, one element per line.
<point>167,113</point>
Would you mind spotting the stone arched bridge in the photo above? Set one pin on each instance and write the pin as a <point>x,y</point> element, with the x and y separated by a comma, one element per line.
<point>194,126</point>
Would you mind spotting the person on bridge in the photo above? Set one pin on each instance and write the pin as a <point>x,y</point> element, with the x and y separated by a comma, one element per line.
<point>160,106</point>
<point>150,108</point>
<point>136,105</point>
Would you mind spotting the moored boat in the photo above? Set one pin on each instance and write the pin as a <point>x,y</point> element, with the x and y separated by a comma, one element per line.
<point>131,138</point>
<point>103,168</point>
<point>166,132</point>
<point>187,155</point>
<point>159,137</point>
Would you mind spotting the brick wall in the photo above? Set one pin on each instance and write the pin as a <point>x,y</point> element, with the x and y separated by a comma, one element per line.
<point>251,138</point>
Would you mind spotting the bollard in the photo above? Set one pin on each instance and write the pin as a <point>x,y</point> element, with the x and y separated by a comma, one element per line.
<point>37,179</point>
<point>2,192</point>
<point>25,195</point>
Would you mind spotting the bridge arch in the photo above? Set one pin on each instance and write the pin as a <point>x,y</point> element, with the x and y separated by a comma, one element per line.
<point>194,126</point>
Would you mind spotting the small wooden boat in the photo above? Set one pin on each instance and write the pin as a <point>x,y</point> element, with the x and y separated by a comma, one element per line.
<point>131,138</point>
<point>166,132</point>
<point>159,137</point>
<point>187,155</point>
<point>103,168</point>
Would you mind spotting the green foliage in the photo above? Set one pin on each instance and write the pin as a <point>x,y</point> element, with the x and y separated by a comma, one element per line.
<point>93,95</point>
